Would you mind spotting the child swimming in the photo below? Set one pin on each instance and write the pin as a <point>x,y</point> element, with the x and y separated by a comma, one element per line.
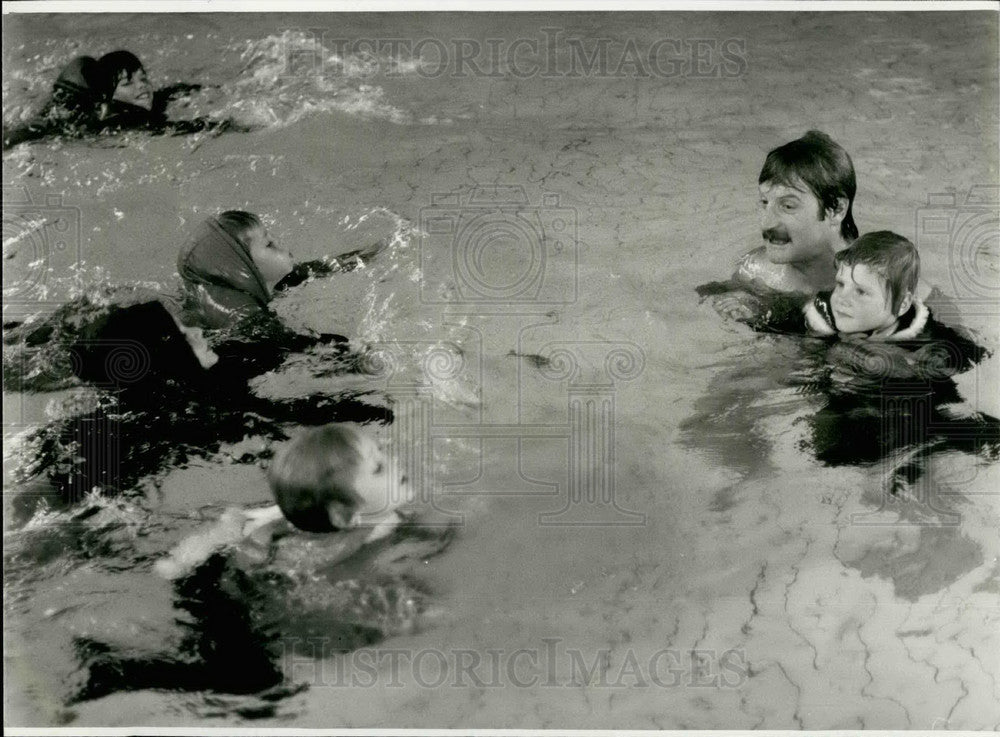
<point>168,394</point>
<point>250,587</point>
<point>232,269</point>
<point>229,269</point>
<point>336,478</point>
<point>332,478</point>
<point>82,96</point>
<point>110,93</point>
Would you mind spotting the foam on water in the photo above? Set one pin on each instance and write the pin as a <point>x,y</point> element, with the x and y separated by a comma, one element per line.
<point>289,76</point>
<point>280,79</point>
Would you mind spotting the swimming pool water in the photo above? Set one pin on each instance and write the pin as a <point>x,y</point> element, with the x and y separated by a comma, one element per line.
<point>644,539</point>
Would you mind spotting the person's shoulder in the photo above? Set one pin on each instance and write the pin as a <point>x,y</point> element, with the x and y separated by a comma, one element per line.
<point>77,72</point>
<point>962,345</point>
<point>755,258</point>
<point>755,270</point>
<point>939,350</point>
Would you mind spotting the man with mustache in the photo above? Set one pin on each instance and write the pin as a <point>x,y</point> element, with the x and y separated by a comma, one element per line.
<point>807,189</point>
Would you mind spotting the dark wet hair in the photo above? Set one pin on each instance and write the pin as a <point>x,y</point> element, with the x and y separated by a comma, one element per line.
<point>889,255</point>
<point>116,62</point>
<point>825,168</point>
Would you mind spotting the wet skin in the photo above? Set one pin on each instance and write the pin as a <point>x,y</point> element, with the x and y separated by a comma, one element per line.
<point>135,90</point>
<point>274,262</point>
<point>861,302</point>
<point>800,238</point>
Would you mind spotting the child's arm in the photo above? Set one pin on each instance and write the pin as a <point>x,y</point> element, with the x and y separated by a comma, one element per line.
<point>261,519</point>
<point>234,526</point>
<point>306,270</point>
<point>163,96</point>
<point>258,526</point>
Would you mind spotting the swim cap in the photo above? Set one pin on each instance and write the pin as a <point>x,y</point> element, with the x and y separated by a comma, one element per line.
<point>221,280</point>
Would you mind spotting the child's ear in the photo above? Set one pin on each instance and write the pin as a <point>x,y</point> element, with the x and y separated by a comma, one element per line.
<point>341,516</point>
<point>905,304</point>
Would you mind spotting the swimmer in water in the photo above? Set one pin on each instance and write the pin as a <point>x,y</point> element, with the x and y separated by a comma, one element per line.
<point>874,293</point>
<point>150,356</point>
<point>874,301</point>
<point>329,479</point>
<point>232,269</point>
<point>336,478</point>
<point>806,190</point>
<point>229,270</point>
<point>248,587</point>
<point>110,93</point>
<point>891,396</point>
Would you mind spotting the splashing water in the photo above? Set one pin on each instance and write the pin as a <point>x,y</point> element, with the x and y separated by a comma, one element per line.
<point>288,76</point>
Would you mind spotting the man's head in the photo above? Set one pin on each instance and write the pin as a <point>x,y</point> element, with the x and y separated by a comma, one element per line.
<point>807,189</point>
<point>876,279</point>
<point>328,477</point>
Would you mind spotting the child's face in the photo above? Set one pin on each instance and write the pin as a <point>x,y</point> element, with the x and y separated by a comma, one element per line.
<point>273,262</point>
<point>370,480</point>
<point>135,90</point>
<point>861,302</point>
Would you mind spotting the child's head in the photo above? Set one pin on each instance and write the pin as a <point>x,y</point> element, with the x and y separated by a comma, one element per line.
<point>272,262</point>
<point>328,476</point>
<point>128,77</point>
<point>229,268</point>
<point>876,280</point>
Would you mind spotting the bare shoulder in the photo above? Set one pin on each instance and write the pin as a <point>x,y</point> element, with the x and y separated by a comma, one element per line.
<point>755,270</point>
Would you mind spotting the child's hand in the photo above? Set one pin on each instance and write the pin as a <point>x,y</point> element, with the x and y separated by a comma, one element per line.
<point>383,527</point>
<point>192,551</point>
<point>233,527</point>
<point>735,306</point>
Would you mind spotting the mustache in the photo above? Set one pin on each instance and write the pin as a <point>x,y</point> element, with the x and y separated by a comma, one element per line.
<point>775,234</point>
